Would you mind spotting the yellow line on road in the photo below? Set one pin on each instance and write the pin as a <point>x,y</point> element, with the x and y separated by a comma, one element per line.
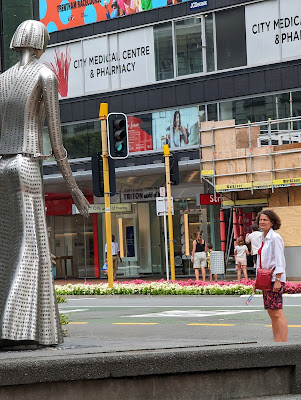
<point>213,324</point>
<point>135,323</point>
<point>289,326</point>
<point>78,323</point>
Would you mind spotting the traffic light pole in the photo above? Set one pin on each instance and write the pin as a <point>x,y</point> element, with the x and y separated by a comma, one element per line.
<point>170,225</point>
<point>103,112</point>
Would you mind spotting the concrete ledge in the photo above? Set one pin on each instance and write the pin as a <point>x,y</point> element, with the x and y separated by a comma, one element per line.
<point>223,372</point>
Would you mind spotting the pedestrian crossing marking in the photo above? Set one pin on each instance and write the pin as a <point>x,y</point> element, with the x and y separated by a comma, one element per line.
<point>213,324</point>
<point>193,313</point>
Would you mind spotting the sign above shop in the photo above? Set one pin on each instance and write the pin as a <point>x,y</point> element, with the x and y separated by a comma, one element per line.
<point>100,208</point>
<point>139,195</point>
<point>195,5</point>
<point>210,199</point>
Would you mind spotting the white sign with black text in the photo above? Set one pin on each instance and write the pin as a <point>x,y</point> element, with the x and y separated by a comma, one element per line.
<point>103,63</point>
<point>273,31</point>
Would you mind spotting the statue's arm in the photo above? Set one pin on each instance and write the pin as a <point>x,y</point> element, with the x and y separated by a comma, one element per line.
<point>49,86</point>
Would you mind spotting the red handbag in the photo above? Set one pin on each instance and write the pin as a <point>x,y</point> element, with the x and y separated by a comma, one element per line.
<point>264,276</point>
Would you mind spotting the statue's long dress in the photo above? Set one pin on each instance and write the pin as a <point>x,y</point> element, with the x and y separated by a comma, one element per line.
<point>28,307</point>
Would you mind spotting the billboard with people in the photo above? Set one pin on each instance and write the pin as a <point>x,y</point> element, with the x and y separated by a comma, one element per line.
<point>58,15</point>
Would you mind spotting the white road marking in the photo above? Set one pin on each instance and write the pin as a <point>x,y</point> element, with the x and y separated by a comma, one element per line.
<point>192,313</point>
<point>80,309</point>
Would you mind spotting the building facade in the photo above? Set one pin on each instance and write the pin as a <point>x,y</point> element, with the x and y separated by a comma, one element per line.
<point>168,68</point>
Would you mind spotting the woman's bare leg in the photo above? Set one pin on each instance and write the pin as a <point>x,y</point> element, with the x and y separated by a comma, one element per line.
<point>197,274</point>
<point>238,273</point>
<point>244,268</point>
<point>203,269</point>
<point>279,325</point>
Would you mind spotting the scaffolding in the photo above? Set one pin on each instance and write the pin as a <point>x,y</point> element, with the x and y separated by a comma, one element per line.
<point>252,156</point>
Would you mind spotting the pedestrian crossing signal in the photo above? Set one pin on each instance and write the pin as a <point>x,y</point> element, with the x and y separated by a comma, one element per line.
<point>118,135</point>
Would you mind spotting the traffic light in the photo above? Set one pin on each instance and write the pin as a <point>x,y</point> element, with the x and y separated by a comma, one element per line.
<point>174,169</point>
<point>118,135</point>
<point>97,175</point>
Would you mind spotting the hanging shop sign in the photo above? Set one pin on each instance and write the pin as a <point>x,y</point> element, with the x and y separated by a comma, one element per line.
<point>103,63</point>
<point>139,195</point>
<point>273,31</point>
<point>100,208</point>
<point>210,199</point>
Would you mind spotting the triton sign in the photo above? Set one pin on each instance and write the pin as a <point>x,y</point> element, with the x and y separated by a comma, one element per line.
<point>195,5</point>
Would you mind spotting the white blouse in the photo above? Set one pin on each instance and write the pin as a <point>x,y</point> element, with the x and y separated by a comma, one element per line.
<point>272,254</point>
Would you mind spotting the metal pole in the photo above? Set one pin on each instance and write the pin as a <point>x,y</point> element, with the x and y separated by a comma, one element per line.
<point>165,238</point>
<point>170,225</point>
<point>103,112</point>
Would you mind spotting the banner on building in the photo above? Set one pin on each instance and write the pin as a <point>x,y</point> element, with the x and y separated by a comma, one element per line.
<point>177,128</point>
<point>64,14</point>
<point>104,63</point>
<point>273,31</point>
<point>140,133</point>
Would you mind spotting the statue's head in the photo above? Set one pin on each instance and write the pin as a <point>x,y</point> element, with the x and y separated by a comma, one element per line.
<point>30,34</point>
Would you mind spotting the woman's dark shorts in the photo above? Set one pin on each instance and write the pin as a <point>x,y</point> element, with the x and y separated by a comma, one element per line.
<point>273,300</point>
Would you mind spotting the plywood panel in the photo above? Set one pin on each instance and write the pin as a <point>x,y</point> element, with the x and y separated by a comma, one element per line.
<point>242,137</point>
<point>290,225</point>
<point>260,163</point>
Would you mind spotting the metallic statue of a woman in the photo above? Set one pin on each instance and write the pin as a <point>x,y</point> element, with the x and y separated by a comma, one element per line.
<point>28,94</point>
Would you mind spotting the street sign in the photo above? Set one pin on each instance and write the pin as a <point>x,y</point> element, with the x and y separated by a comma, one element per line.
<point>162,206</point>
<point>162,191</point>
<point>210,199</point>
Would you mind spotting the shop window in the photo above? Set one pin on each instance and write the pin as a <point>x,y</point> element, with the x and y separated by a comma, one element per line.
<point>231,38</point>
<point>189,48</point>
<point>163,55</point>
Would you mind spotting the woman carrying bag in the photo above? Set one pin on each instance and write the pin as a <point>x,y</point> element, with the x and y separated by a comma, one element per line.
<point>271,257</point>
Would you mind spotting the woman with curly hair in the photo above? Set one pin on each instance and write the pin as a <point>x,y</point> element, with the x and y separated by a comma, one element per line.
<point>271,256</point>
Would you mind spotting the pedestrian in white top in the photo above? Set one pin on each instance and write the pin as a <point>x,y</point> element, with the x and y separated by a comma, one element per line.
<point>271,255</point>
<point>255,239</point>
<point>116,256</point>
<point>241,252</point>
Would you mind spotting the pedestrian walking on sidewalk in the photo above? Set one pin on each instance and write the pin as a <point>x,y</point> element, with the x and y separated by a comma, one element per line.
<point>271,255</point>
<point>116,256</point>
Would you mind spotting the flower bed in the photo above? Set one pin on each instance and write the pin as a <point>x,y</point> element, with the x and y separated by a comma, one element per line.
<point>162,287</point>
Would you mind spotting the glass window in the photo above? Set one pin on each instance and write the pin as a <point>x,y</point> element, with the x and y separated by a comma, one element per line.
<point>231,38</point>
<point>189,46</point>
<point>209,43</point>
<point>163,53</point>
<point>82,140</point>
<point>254,109</point>
<point>212,112</point>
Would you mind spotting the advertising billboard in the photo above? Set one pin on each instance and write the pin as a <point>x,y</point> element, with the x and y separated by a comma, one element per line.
<point>177,128</point>
<point>103,63</point>
<point>63,14</point>
<point>273,31</point>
